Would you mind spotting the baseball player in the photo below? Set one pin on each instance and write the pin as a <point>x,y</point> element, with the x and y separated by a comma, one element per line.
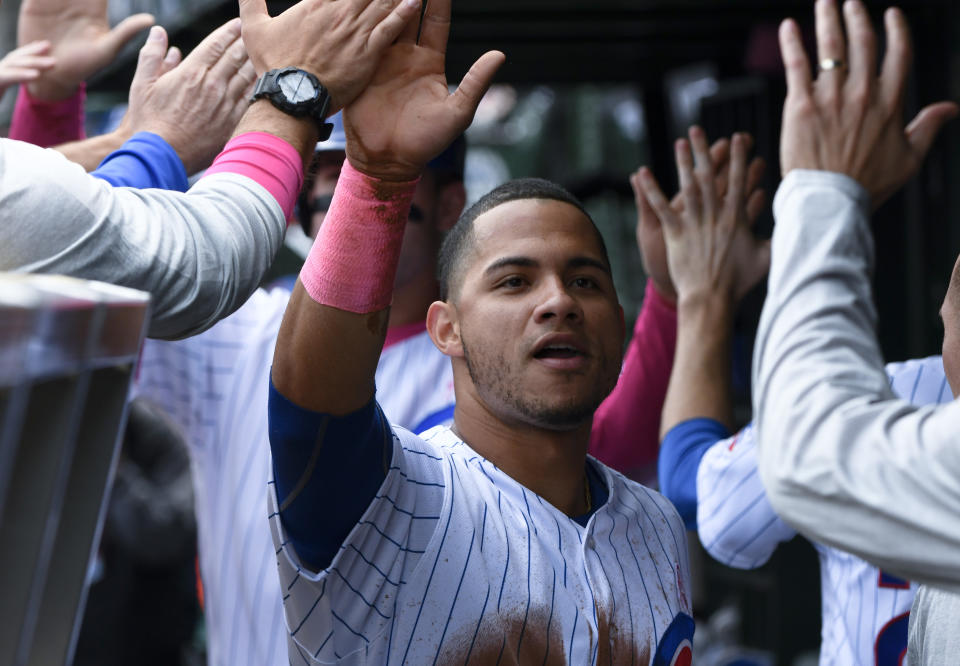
<point>712,477</point>
<point>497,539</point>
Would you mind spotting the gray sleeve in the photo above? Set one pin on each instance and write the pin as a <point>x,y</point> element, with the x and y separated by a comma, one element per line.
<point>842,459</point>
<point>200,254</point>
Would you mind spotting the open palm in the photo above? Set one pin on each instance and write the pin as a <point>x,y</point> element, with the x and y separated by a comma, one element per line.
<point>81,38</point>
<point>406,116</point>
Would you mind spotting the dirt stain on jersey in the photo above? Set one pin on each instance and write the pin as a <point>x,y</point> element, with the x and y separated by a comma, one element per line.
<point>517,638</point>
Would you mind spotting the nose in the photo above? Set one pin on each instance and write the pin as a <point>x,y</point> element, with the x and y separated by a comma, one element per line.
<point>556,302</point>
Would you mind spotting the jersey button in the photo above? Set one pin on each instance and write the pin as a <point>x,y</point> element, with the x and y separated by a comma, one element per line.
<point>590,543</point>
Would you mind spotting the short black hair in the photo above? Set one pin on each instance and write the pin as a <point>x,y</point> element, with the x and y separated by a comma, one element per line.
<point>459,239</point>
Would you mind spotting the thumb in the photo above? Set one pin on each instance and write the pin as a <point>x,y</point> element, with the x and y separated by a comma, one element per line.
<point>150,62</point>
<point>923,129</point>
<point>475,82</point>
<point>126,30</point>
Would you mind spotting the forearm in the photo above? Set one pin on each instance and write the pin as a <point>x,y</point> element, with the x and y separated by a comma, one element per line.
<point>626,427</point>
<point>335,324</point>
<point>200,254</point>
<point>700,384</point>
<point>89,153</point>
<point>842,460</point>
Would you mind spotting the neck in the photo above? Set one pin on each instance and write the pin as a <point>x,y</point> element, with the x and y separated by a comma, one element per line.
<point>550,463</point>
<point>412,299</point>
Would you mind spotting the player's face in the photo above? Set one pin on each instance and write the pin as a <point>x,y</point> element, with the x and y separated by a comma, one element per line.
<point>540,324</point>
<point>950,313</point>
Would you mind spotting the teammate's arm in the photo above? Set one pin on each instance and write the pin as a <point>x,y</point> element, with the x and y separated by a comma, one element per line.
<point>842,460</point>
<point>334,327</point>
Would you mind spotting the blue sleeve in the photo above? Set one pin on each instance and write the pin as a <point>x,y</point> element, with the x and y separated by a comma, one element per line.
<point>680,454</point>
<point>145,160</point>
<point>327,471</point>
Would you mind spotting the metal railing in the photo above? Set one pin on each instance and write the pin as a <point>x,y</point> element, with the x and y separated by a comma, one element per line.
<point>68,350</point>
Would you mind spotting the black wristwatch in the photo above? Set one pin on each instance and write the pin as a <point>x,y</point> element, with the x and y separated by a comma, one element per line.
<point>298,93</point>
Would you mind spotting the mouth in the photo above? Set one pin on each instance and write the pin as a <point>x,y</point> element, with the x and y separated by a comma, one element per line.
<point>560,352</point>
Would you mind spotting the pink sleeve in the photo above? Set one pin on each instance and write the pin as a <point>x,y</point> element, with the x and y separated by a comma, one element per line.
<point>267,159</point>
<point>48,124</point>
<point>626,427</point>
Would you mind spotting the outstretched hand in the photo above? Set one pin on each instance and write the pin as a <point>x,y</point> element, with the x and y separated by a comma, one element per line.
<point>195,104</point>
<point>81,41</point>
<point>650,239</point>
<point>340,42</point>
<point>709,245</point>
<point>25,64</point>
<point>850,120</point>
<point>407,115</point>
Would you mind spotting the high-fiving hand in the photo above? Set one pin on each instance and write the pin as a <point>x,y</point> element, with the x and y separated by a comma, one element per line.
<point>849,120</point>
<point>407,116</point>
<point>340,42</point>
<point>81,41</point>
<point>650,231</point>
<point>25,64</point>
<point>710,247</point>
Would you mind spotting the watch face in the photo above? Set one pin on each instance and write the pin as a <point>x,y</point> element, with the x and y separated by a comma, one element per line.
<point>296,87</point>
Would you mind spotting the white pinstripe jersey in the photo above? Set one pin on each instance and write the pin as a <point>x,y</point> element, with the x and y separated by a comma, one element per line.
<point>865,611</point>
<point>455,562</point>
<point>214,386</point>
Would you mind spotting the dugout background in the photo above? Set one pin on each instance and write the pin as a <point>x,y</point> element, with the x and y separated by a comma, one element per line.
<point>593,88</point>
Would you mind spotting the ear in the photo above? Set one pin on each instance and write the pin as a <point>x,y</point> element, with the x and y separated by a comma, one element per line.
<point>450,203</point>
<point>444,328</point>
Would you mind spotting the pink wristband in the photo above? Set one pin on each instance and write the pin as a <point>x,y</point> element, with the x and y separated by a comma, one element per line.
<point>353,261</point>
<point>46,124</point>
<point>267,159</point>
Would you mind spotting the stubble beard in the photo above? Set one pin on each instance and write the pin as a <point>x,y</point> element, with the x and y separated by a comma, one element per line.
<point>491,376</point>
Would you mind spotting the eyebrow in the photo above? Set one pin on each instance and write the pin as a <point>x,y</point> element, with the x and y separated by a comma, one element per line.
<point>527,262</point>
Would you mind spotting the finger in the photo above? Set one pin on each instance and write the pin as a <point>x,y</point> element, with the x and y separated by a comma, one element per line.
<point>149,62</point>
<point>923,129</point>
<point>213,47</point>
<point>756,202</point>
<point>39,47</point>
<point>389,28</point>
<point>689,191</point>
<point>171,60</point>
<point>411,31</point>
<point>703,171</point>
<point>232,61</point>
<point>126,30</point>
<point>794,60</point>
<point>657,201</point>
<point>738,176</point>
<point>41,63</point>
<point>897,60</point>
<point>253,12</point>
<point>242,82</point>
<point>830,42</point>
<point>436,25</point>
<point>862,48</point>
<point>755,171</point>
<point>474,85</point>
<point>646,217</point>
<point>11,75</point>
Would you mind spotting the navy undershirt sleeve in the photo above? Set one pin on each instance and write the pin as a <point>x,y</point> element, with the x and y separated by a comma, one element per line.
<point>327,471</point>
<point>146,160</point>
<point>681,451</point>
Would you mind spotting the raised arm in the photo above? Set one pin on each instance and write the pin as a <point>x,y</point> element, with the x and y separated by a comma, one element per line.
<point>333,331</point>
<point>200,254</point>
<point>714,260</point>
<point>842,460</point>
<point>330,443</point>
